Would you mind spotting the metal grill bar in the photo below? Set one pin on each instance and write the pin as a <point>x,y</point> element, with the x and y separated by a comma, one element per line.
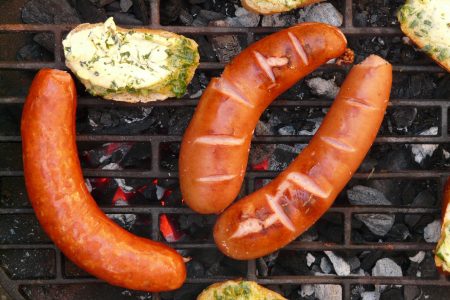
<point>155,172</point>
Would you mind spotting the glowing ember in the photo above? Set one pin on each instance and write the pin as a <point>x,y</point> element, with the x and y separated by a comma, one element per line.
<point>262,166</point>
<point>169,229</point>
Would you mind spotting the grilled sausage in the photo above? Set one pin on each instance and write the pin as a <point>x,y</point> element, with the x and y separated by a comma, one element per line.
<point>64,207</point>
<point>273,216</point>
<point>215,146</point>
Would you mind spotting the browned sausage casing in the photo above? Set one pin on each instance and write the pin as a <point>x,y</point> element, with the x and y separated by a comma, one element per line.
<point>64,207</point>
<point>215,146</point>
<point>273,216</point>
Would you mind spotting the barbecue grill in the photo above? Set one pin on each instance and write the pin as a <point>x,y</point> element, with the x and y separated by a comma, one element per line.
<point>33,268</point>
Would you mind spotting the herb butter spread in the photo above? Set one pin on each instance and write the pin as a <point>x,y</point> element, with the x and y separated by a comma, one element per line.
<point>427,23</point>
<point>131,65</point>
<point>238,290</point>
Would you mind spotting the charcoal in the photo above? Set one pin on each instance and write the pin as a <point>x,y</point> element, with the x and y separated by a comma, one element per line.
<point>378,224</point>
<point>411,292</point>
<point>389,188</point>
<point>422,151</point>
<point>398,233</point>
<point>391,294</point>
<point>330,233</point>
<point>363,195</point>
<point>396,160</point>
<point>206,49</point>
<point>307,290</point>
<point>49,12</point>
<point>179,120</point>
<point>328,292</point>
<point>282,156</point>
<point>418,257</point>
<point>225,46</point>
<point>126,221</point>
<point>369,258</point>
<point>403,117</point>
<point>370,295</point>
<point>113,6</point>
<point>432,232</point>
<point>195,269</point>
<point>125,5</point>
<point>293,263</point>
<point>140,10</point>
<point>28,263</point>
<point>278,20</point>
<point>137,157</point>
<point>46,40</point>
<point>89,12</point>
<point>101,3</point>
<point>386,267</point>
<point>287,130</point>
<point>169,11</point>
<point>442,90</point>
<point>33,52</point>
<point>197,1</point>
<point>322,87</point>
<point>323,13</point>
<point>262,268</point>
<point>246,18</point>
<point>325,265</point>
<point>427,267</point>
<point>341,267</point>
<point>186,18</point>
<point>360,19</point>
<point>188,291</point>
<point>310,259</point>
<point>310,235</point>
<point>125,19</point>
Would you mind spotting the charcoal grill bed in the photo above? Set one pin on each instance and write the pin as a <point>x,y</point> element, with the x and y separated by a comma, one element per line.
<point>15,286</point>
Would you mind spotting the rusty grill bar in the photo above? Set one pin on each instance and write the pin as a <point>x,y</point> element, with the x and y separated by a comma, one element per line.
<point>347,212</point>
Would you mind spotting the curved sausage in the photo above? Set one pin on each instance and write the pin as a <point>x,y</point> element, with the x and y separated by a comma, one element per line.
<point>273,216</point>
<point>215,146</point>
<point>64,207</point>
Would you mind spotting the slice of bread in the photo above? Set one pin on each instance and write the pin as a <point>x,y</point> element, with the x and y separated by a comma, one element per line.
<point>238,290</point>
<point>132,65</point>
<point>427,24</point>
<point>268,7</point>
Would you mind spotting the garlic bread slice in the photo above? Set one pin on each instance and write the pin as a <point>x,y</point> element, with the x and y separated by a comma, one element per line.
<point>133,65</point>
<point>267,7</point>
<point>238,290</point>
<point>427,24</point>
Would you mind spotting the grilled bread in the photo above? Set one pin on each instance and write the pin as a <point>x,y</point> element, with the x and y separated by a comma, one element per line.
<point>267,7</point>
<point>427,24</point>
<point>133,65</point>
<point>442,257</point>
<point>238,290</point>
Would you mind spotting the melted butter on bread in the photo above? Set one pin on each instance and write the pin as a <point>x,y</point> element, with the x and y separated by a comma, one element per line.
<point>138,65</point>
<point>427,24</point>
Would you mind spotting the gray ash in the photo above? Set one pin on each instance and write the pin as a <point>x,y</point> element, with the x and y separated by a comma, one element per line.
<point>376,13</point>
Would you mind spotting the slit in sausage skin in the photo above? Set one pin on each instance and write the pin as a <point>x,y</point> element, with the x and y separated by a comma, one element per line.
<point>215,178</point>
<point>360,103</point>
<point>298,47</point>
<point>279,212</point>
<point>264,65</point>
<point>254,225</point>
<point>322,190</point>
<point>227,88</point>
<point>338,144</point>
<point>220,140</point>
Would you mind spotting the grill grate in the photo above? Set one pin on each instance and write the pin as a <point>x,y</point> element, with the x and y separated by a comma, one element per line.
<point>438,176</point>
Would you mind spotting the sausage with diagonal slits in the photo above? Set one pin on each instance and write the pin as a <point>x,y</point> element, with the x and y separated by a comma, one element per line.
<point>215,146</point>
<point>273,216</point>
<point>64,207</point>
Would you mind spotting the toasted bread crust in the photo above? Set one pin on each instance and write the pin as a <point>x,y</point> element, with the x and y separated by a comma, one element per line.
<point>416,29</point>
<point>256,7</point>
<point>258,292</point>
<point>130,97</point>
